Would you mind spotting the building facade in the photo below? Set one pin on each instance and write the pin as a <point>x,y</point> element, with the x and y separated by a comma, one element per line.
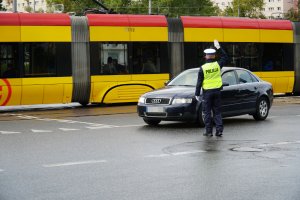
<point>26,6</point>
<point>272,8</point>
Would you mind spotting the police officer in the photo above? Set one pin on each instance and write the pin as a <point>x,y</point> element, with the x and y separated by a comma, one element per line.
<point>209,79</point>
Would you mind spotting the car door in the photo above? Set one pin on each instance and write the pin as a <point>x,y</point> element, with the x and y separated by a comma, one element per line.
<point>231,102</point>
<point>248,90</point>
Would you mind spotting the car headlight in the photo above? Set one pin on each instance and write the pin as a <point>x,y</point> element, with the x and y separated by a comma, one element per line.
<point>141,100</point>
<point>182,100</point>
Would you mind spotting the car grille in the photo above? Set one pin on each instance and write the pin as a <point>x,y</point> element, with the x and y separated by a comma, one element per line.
<point>155,114</point>
<point>158,101</point>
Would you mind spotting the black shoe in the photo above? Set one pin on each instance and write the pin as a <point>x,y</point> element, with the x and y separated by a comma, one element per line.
<point>219,134</point>
<point>208,134</point>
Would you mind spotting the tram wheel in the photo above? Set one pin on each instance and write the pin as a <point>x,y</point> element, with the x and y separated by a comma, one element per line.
<point>84,104</point>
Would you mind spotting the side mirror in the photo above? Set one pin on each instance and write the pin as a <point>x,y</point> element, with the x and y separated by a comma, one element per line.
<point>225,84</point>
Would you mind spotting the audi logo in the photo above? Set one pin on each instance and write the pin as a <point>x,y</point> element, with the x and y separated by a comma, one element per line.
<point>156,101</point>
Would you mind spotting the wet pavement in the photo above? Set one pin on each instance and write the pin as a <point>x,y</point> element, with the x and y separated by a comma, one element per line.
<point>107,152</point>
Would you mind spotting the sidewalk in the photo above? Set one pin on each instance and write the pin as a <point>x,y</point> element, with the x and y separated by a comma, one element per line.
<point>279,100</point>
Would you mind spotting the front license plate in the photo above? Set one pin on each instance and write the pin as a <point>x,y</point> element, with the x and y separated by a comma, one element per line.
<point>155,109</point>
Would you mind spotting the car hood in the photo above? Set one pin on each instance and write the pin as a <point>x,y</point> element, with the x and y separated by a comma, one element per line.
<point>172,91</point>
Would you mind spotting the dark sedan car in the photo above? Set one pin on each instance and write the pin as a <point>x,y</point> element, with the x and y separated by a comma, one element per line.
<point>243,93</point>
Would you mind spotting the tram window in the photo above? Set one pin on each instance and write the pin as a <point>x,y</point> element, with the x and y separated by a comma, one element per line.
<point>250,56</point>
<point>272,57</point>
<point>39,59</point>
<point>193,55</point>
<point>63,61</point>
<point>95,58</point>
<point>234,51</point>
<point>147,58</point>
<point>113,58</point>
<point>8,60</point>
<point>164,58</point>
<point>47,59</point>
<point>288,57</point>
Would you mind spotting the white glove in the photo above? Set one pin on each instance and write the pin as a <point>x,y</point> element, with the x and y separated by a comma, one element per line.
<point>197,98</point>
<point>216,44</point>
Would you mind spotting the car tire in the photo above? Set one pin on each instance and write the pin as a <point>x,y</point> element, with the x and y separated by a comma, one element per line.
<point>83,103</point>
<point>262,109</point>
<point>200,117</point>
<point>151,122</point>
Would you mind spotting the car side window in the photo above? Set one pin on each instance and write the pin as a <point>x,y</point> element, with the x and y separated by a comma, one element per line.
<point>244,77</point>
<point>229,77</point>
<point>254,78</point>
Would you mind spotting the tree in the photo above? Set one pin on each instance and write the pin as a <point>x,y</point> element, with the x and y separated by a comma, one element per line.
<point>193,7</point>
<point>77,6</point>
<point>8,3</point>
<point>28,9</point>
<point>245,8</point>
<point>167,7</point>
<point>293,14</point>
<point>171,8</point>
<point>1,6</point>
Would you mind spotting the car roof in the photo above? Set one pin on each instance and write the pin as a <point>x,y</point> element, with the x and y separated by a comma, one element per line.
<point>226,69</point>
<point>223,68</point>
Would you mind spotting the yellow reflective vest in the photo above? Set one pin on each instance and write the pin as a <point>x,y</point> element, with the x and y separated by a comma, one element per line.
<point>212,76</point>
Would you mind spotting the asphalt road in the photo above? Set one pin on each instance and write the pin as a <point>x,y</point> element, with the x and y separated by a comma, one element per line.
<point>100,153</point>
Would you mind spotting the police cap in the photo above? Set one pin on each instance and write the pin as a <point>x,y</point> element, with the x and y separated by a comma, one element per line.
<point>209,51</point>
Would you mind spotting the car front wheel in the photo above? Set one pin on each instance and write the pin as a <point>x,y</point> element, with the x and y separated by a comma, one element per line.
<point>151,122</point>
<point>200,118</point>
<point>262,109</point>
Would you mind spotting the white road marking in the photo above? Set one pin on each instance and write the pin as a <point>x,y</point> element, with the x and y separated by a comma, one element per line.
<point>175,154</point>
<point>272,117</point>
<point>26,117</point>
<point>91,124</point>
<point>57,120</point>
<point>75,163</point>
<point>113,126</point>
<point>100,127</point>
<point>69,129</point>
<point>69,121</point>
<point>187,152</point>
<point>133,125</point>
<point>8,114</point>
<point>1,170</point>
<point>41,131</point>
<point>8,132</point>
<point>157,156</point>
<point>280,143</point>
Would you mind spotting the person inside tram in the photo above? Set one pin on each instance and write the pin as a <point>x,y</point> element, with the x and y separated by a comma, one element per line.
<point>121,69</point>
<point>148,66</point>
<point>109,68</point>
<point>269,65</point>
<point>137,64</point>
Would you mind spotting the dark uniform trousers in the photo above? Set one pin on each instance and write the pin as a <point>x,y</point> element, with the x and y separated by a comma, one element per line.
<point>212,101</point>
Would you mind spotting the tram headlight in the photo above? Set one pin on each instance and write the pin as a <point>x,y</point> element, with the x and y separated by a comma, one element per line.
<point>141,100</point>
<point>182,100</point>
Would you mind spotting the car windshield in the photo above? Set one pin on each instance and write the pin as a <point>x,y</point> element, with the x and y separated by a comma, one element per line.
<point>186,78</point>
